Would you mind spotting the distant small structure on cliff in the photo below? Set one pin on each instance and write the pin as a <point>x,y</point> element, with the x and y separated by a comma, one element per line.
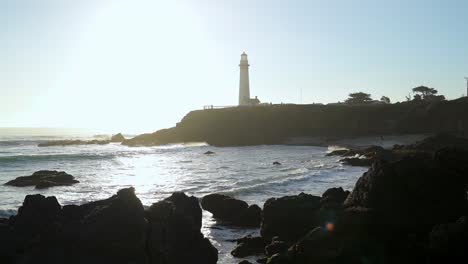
<point>244,85</point>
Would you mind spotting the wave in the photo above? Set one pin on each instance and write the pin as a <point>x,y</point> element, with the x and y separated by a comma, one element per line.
<point>7,213</point>
<point>266,185</point>
<point>41,157</point>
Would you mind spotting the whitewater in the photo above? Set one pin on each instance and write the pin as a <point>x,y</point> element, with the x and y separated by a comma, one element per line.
<point>246,173</point>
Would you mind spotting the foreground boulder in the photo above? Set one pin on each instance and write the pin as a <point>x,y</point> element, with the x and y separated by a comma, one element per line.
<point>233,211</point>
<point>44,179</point>
<point>411,210</point>
<point>174,232</point>
<point>114,230</point>
<point>411,194</point>
<point>448,243</point>
<point>290,217</point>
<point>111,230</point>
<point>248,246</point>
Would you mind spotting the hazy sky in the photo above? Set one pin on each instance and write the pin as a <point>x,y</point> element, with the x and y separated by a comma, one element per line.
<point>133,66</point>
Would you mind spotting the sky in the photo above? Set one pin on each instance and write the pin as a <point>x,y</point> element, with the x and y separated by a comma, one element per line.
<point>141,65</point>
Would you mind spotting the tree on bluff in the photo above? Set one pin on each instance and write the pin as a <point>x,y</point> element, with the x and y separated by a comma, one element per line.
<point>358,98</point>
<point>426,93</point>
<point>385,99</point>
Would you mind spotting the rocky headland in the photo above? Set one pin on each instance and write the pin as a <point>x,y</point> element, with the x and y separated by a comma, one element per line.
<point>313,124</point>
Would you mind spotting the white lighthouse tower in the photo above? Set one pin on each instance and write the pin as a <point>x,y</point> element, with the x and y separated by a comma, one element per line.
<point>244,87</point>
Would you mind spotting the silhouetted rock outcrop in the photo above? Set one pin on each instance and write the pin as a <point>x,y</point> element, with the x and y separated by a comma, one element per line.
<point>117,138</point>
<point>289,217</point>
<point>44,179</point>
<point>249,246</point>
<point>114,230</point>
<point>410,210</point>
<point>174,232</point>
<point>72,142</point>
<point>233,211</point>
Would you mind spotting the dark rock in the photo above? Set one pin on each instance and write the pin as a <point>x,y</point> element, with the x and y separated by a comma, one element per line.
<point>360,162</point>
<point>209,152</point>
<point>290,217</point>
<point>276,247</point>
<point>262,260</point>
<point>44,179</point>
<point>411,194</point>
<point>233,211</point>
<point>174,234</point>
<point>38,214</point>
<point>248,246</point>
<point>448,242</point>
<point>111,230</point>
<point>72,142</point>
<point>278,259</point>
<point>276,163</point>
<point>245,262</point>
<point>455,160</point>
<point>368,152</point>
<point>436,142</point>
<point>334,195</point>
<point>117,138</point>
<point>114,230</point>
<point>188,206</point>
<point>338,152</point>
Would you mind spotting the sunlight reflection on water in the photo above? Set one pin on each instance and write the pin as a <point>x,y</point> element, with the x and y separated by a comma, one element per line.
<point>156,172</point>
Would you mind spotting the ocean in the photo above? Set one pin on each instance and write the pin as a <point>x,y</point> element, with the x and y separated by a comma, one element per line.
<point>246,173</point>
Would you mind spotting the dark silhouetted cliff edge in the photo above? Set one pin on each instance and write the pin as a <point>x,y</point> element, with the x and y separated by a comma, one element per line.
<point>276,124</point>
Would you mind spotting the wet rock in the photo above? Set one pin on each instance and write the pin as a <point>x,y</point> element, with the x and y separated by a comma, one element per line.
<point>290,217</point>
<point>434,143</point>
<point>108,230</point>
<point>44,179</point>
<point>262,260</point>
<point>276,163</point>
<point>117,138</point>
<point>233,211</point>
<point>360,162</point>
<point>334,195</point>
<point>245,262</point>
<point>456,160</point>
<point>338,152</point>
<point>275,247</point>
<point>72,142</point>
<point>411,194</point>
<point>174,234</point>
<point>209,152</point>
<point>448,242</point>
<point>369,152</point>
<point>249,246</point>
<point>38,214</point>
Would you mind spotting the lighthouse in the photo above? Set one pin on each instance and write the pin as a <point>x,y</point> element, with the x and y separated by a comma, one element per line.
<point>244,88</point>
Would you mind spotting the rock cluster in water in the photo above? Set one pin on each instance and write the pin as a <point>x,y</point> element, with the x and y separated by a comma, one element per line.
<point>73,142</point>
<point>232,211</point>
<point>368,155</point>
<point>44,179</point>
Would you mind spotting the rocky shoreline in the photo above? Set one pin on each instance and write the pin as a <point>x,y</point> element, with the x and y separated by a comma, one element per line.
<point>411,206</point>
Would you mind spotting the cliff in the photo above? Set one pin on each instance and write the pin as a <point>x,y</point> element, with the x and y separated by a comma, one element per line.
<point>275,124</point>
